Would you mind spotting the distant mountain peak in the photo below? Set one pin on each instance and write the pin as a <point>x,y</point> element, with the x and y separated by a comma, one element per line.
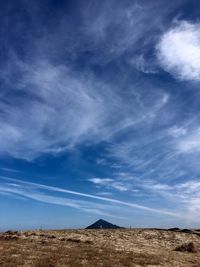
<point>102,224</point>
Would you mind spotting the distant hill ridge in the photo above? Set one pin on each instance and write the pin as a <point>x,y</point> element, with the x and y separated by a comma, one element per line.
<point>102,224</point>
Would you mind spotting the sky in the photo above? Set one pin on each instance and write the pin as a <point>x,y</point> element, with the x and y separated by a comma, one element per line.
<point>99,113</point>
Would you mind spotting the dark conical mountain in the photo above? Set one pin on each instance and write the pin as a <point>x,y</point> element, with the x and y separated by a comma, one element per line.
<point>101,224</point>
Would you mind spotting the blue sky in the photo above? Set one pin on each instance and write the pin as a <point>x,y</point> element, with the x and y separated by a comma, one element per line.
<point>99,113</point>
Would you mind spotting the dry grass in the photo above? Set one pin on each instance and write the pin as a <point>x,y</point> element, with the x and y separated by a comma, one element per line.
<point>99,248</point>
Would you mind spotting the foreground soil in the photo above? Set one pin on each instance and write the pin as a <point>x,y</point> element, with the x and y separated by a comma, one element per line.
<point>100,248</point>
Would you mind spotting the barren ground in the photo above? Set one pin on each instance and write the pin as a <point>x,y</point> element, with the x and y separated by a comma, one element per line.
<point>95,248</point>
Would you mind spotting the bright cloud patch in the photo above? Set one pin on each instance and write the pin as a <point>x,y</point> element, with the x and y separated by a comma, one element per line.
<point>179,51</point>
<point>190,143</point>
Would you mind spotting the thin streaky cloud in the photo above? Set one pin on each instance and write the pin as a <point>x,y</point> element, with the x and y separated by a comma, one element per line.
<point>57,189</point>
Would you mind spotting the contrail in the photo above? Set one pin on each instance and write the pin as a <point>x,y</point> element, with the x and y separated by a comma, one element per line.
<point>58,189</point>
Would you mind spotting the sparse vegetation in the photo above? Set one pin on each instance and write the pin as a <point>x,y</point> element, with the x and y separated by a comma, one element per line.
<point>99,248</point>
<point>187,247</point>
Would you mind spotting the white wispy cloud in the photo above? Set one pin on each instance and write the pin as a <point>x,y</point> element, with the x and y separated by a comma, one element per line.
<point>26,191</point>
<point>190,143</point>
<point>115,29</point>
<point>62,109</point>
<point>106,194</point>
<point>178,51</point>
<point>185,138</point>
<point>101,161</point>
<point>65,108</point>
<point>30,190</point>
<point>184,196</point>
<point>109,184</point>
<point>141,64</point>
<point>176,131</point>
<point>187,193</point>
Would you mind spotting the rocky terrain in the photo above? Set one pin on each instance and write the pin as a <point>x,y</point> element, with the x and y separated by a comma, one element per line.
<point>105,248</point>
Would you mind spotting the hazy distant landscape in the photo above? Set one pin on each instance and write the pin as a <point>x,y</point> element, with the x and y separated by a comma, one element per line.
<point>100,248</point>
